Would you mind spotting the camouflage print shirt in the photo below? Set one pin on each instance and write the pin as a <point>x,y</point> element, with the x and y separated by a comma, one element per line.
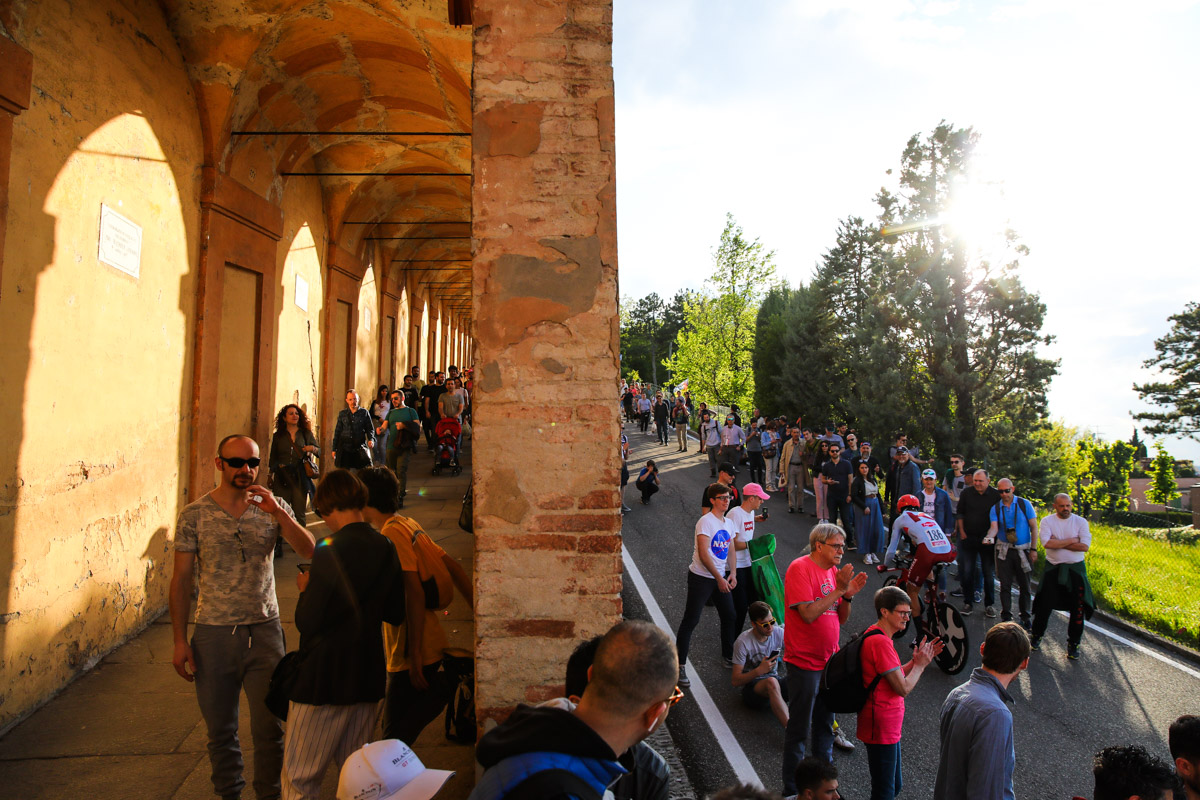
<point>234,561</point>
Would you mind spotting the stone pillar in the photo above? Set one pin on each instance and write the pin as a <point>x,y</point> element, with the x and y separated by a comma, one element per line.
<point>16,78</point>
<point>547,512</point>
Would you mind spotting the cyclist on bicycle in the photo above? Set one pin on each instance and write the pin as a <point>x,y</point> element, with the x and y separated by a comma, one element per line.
<point>930,545</point>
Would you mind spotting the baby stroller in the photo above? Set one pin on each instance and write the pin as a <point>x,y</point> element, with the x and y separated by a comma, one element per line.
<point>445,453</point>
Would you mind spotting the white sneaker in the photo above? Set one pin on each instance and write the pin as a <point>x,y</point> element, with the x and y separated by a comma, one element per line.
<point>842,742</point>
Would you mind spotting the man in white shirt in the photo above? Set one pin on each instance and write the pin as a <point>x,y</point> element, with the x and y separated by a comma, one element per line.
<point>1066,538</point>
<point>741,521</point>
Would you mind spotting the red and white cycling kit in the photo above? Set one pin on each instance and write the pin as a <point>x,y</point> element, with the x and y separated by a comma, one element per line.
<point>929,543</point>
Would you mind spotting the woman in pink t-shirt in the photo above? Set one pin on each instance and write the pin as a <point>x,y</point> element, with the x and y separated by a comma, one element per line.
<point>881,718</point>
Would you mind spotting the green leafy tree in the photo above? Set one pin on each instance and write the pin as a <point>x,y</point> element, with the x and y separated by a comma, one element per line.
<point>1178,357</point>
<point>1103,475</point>
<point>1041,462</point>
<point>715,346</point>
<point>1162,489</point>
<point>771,327</point>
<point>962,308</point>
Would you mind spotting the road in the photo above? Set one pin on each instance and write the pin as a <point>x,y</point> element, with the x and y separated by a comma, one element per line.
<point>1065,711</point>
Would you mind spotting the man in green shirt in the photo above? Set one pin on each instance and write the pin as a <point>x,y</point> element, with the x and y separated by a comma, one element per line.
<point>403,429</point>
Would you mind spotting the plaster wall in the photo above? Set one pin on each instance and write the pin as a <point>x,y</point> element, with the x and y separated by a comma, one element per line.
<point>300,333</point>
<point>237,369</point>
<point>95,364</point>
<point>366,349</point>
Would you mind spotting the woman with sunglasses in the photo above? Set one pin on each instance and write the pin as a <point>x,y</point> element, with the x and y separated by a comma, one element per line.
<point>881,718</point>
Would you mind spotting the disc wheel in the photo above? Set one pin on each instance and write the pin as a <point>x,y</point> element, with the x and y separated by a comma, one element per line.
<point>890,580</point>
<point>949,625</point>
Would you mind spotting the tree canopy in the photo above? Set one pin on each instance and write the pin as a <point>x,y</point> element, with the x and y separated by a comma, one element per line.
<point>1179,396</point>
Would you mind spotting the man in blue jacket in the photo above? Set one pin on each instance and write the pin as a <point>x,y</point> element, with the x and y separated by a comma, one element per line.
<point>550,753</point>
<point>978,757</point>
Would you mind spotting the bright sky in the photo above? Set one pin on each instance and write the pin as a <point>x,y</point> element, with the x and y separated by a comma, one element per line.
<point>788,113</point>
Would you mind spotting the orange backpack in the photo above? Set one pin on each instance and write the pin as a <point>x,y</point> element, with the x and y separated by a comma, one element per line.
<point>435,578</point>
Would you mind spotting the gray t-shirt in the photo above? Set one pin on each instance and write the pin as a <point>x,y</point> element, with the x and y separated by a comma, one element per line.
<point>750,652</point>
<point>234,561</point>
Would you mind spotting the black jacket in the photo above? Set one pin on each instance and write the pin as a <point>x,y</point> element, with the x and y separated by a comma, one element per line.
<point>354,585</point>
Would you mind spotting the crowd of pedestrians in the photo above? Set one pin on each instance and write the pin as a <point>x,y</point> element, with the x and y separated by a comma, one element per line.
<point>867,508</point>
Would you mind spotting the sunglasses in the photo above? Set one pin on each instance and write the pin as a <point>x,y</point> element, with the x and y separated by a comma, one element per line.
<point>766,623</point>
<point>1006,491</point>
<point>675,697</point>
<point>238,463</point>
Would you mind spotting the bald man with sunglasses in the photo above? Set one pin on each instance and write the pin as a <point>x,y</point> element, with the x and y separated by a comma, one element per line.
<point>226,541</point>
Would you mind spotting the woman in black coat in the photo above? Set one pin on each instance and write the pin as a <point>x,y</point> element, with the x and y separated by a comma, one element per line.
<point>354,585</point>
<point>292,443</point>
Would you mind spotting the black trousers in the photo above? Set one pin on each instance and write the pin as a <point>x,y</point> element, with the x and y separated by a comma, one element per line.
<point>407,710</point>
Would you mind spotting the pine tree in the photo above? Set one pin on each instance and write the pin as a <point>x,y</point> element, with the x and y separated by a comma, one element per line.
<point>1179,357</point>
<point>1162,489</point>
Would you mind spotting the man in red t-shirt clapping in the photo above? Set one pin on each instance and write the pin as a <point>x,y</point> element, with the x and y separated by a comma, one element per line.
<point>818,597</point>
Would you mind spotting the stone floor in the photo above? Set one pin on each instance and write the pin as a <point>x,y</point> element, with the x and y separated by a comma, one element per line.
<point>130,728</point>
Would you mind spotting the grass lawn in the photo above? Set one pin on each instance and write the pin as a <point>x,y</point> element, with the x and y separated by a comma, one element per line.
<point>1137,574</point>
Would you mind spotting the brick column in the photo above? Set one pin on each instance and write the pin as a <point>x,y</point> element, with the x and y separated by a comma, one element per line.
<point>546,462</point>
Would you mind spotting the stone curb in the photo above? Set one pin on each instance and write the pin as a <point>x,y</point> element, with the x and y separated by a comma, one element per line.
<point>680,788</point>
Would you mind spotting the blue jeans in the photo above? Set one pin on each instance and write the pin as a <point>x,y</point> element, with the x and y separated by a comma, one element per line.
<point>869,525</point>
<point>805,713</point>
<point>884,762</point>
<point>968,552</point>
<point>700,589</point>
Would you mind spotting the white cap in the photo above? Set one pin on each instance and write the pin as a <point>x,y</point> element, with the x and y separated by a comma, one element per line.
<point>388,770</point>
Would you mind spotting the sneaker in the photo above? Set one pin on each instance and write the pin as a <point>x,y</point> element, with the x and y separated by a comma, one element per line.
<point>979,597</point>
<point>851,548</point>
<point>728,662</point>
<point>625,509</point>
<point>842,743</point>
<point>1035,644</point>
<point>990,611</point>
<point>956,593</point>
<point>1027,624</point>
<point>1072,652</point>
<point>967,609</point>
<point>791,510</point>
<point>683,678</point>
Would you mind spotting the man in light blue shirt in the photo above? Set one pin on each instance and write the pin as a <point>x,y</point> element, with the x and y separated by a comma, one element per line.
<point>978,757</point>
<point>1014,529</point>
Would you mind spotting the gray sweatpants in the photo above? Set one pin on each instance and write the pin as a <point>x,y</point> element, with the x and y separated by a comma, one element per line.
<point>795,492</point>
<point>230,658</point>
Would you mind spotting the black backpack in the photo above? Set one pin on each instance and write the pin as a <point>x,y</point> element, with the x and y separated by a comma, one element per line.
<point>841,688</point>
<point>460,711</point>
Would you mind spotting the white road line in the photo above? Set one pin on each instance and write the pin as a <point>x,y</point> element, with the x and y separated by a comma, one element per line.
<point>727,742</point>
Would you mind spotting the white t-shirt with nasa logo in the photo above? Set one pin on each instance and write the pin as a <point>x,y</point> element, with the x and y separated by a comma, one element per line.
<point>741,524</point>
<point>720,544</point>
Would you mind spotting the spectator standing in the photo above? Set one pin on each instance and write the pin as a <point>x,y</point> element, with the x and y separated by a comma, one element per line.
<point>756,655</point>
<point>792,470</point>
<point>973,521</point>
<point>430,395</point>
<point>1013,528</point>
<point>1184,740</point>
<point>681,416</point>
<point>726,476</point>
<point>741,521</point>
<point>1066,538</point>
<point>224,541</point>
<point>627,403</point>
<point>820,456</point>
<point>711,436</point>
<point>936,502</point>
<point>954,481</point>
<point>836,475</point>
<point>733,439</point>
<point>817,596</point>
<point>644,405</point>
<point>292,443</point>
<point>882,717</point>
<point>380,407</point>
<point>628,697</point>
<point>864,493</point>
<point>412,399</point>
<point>414,697</point>
<point>647,482</point>
<point>624,447</point>
<point>353,435</point>
<point>771,446</point>
<point>415,374</point>
<point>754,452</point>
<point>877,473</point>
<point>712,574</point>
<point>354,586</point>
<point>661,410</point>
<point>704,416</point>
<point>903,478</point>
<point>978,757</point>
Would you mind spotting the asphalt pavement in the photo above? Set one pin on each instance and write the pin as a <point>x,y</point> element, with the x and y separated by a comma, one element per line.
<point>1120,691</point>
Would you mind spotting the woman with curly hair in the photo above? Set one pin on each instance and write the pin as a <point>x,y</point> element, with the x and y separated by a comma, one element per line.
<point>292,443</point>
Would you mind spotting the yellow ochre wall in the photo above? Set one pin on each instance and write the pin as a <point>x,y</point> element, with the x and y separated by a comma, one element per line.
<point>366,365</point>
<point>95,365</point>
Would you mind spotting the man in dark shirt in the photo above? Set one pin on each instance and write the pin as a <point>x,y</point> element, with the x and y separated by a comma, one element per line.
<point>429,401</point>
<point>836,475</point>
<point>972,523</point>
<point>874,470</point>
<point>725,475</point>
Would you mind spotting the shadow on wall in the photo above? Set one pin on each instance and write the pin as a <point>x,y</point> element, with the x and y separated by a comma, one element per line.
<point>69,528</point>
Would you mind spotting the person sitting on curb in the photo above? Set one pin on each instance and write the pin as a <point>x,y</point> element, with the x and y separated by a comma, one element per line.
<point>756,663</point>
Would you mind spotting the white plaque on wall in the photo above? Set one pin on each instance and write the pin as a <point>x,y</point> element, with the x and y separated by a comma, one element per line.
<point>301,293</point>
<point>120,242</point>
